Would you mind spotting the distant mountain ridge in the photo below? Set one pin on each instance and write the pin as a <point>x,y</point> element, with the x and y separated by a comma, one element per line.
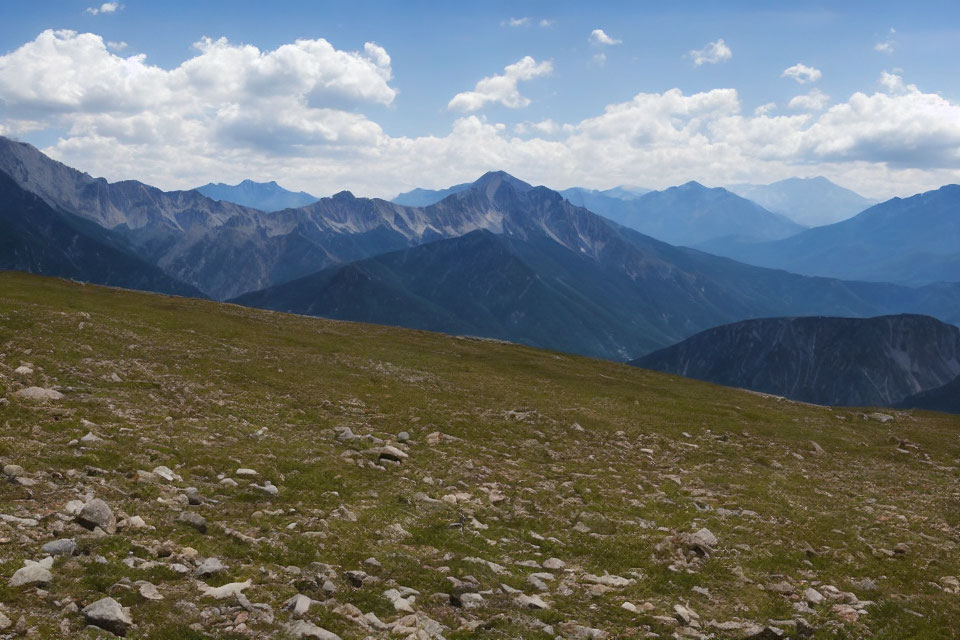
<point>579,282</point>
<point>265,196</point>
<point>811,202</point>
<point>910,240</point>
<point>835,361</point>
<point>37,239</point>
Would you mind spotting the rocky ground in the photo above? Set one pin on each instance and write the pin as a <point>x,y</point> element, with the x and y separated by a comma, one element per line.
<point>180,469</point>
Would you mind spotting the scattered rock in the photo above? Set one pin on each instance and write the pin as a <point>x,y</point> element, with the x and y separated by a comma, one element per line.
<point>226,591</point>
<point>108,614</point>
<point>97,513</point>
<point>32,573</point>
<point>148,590</point>
<point>64,547</point>
<point>304,629</point>
<point>298,605</point>
<point>194,520</point>
<point>167,474</point>
<point>38,394</point>
<point>209,567</point>
<point>553,564</point>
<point>702,542</point>
<point>531,602</point>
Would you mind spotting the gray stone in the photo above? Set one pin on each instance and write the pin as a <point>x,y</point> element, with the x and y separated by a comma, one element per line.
<point>38,394</point>
<point>193,496</point>
<point>108,614</point>
<point>64,547</point>
<point>403,436</point>
<point>97,513</point>
<point>209,567</point>
<point>13,471</point>
<point>531,602</point>
<point>304,629</point>
<point>33,573</point>
<point>194,520</point>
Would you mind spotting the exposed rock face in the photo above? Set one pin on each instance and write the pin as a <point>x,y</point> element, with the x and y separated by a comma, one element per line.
<point>834,361</point>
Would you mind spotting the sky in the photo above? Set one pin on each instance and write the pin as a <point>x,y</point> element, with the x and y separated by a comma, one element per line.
<point>382,97</point>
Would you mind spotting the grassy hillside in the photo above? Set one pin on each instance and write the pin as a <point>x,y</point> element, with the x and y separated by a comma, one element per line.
<point>602,466</point>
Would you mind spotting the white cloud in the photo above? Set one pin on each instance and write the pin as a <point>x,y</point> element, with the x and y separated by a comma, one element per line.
<point>117,46</point>
<point>816,100</point>
<point>765,109</point>
<point>802,73</point>
<point>502,88</point>
<point>599,59</point>
<point>545,22</point>
<point>713,53</point>
<point>893,83</point>
<point>600,38</point>
<point>516,22</point>
<point>106,7</point>
<point>233,112</point>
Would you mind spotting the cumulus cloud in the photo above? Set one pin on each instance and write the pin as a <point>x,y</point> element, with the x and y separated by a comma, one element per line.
<point>600,38</point>
<point>713,53</point>
<point>802,73</point>
<point>502,88</point>
<point>290,96</point>
<point>816,100</point>
<point>117,45</point>
<point>894,83</point>
<point>106,7</point>
<point>234,112</point>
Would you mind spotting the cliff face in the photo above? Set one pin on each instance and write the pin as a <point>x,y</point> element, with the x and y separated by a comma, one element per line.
<point>835,361</point>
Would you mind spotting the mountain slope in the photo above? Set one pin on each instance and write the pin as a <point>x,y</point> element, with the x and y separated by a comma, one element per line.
<point>945,398</point>
<point>265,196</point>
<point>834,361</point>
<point>37,239</point>
<point>811,202</point>
<point>915,239</point>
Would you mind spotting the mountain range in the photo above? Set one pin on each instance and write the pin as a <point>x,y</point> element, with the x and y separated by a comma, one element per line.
<point>499,258</point>
<point>836,361</point>
<point>266,196</point>
<point>578,282</point>
<point>811,202</point>
<point>910,240</point>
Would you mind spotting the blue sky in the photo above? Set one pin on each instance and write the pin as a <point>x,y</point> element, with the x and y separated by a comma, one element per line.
<point>872,101</point>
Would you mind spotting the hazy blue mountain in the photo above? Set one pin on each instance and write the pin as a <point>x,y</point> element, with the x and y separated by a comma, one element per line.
<point>425,197</point>
<point>554,275</point>
<point>600,201</point>
<point>265,196</point>
<point>37,239</point>
<point>910,240</point>
<point>834,361</point>
<point>811,202</point>
<point>688,215</point>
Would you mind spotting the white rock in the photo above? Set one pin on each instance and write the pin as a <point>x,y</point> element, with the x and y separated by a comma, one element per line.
<point>249,473</point>
<point>166,473</point>
<point>226,591</point>
<point>531,602</point>
<point>23,370</point>
<point>299,605</point>
<point>812,596</point>
<point>39,394</point>
<point>629,606</point>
